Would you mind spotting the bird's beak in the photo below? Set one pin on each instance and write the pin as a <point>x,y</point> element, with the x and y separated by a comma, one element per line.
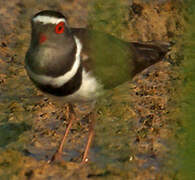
<point>42,38</point>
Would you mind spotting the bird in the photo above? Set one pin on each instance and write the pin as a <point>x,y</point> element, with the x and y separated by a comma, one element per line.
<point>77,65</point>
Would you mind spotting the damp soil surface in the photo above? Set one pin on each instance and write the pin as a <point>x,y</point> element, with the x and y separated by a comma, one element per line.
<point>136,135</point>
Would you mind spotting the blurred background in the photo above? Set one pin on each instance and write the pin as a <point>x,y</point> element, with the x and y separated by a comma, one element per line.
<point>145,127</point>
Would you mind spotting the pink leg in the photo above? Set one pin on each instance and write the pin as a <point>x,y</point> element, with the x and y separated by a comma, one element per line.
<point>90,137</point>
<point>58,153</point>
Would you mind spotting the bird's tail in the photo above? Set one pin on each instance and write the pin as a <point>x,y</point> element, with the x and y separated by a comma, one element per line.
<point>146,54</point>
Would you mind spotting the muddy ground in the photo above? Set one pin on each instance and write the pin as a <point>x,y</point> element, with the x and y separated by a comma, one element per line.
<point>136,136</point>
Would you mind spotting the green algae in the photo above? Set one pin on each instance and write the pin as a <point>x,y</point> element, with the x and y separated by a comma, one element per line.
<point>109,16</point>
<point>187,98</point>
<point>114,121</point>
<point>10,132</point>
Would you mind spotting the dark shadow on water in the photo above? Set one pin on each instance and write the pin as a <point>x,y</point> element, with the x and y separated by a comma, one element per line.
<point>10,132</point>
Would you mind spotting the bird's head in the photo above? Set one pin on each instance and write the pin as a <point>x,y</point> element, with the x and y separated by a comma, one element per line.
<point>53,48</point>
<point>50,28</point>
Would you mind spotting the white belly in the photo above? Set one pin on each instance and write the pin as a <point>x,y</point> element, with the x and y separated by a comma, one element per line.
<point>90,88</point>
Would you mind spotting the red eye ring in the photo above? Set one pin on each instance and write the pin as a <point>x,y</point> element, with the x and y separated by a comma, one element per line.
<point>60,28</point>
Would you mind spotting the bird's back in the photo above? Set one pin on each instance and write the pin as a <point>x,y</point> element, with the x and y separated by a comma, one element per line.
<point>114,61</point>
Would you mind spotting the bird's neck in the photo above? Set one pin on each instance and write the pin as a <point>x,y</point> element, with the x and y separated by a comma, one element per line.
<point>64,84</point>
<point>58,79</point>
<point>65,89</point>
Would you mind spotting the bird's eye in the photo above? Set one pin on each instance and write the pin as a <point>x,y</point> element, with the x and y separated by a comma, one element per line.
<point>59,28</point>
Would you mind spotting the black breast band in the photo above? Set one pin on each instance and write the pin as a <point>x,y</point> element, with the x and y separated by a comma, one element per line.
<point>67,89</point>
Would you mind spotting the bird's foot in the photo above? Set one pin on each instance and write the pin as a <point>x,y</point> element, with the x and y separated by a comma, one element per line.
<point>56,157</point>
<point>85,160</point>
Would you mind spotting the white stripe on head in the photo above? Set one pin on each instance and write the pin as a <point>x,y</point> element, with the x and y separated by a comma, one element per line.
<point>48,19</point>
<point>61,80</point>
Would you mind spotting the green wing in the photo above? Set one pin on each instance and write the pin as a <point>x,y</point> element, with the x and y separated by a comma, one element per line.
<point>114,61</point>
<point>109,57</point>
